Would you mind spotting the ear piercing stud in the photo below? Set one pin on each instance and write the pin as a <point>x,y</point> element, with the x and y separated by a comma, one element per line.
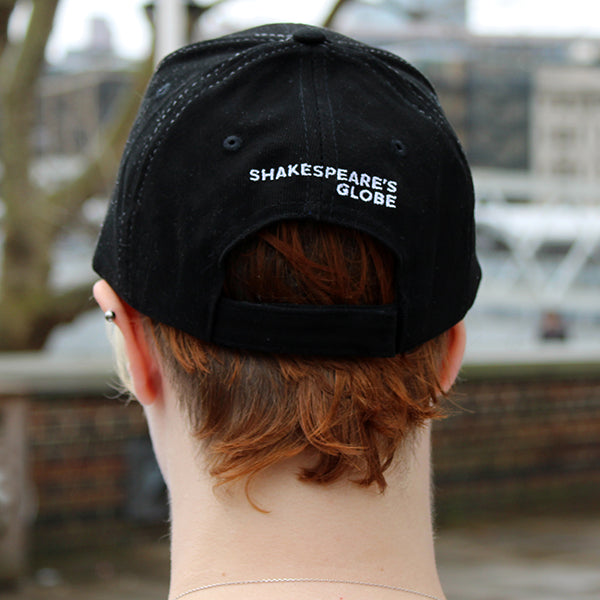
<point>109,315</point>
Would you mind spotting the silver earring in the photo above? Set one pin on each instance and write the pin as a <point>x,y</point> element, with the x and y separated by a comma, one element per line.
<point>109,315</point>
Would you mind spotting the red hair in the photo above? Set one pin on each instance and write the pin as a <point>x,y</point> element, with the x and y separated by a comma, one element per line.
<point>347,416</point>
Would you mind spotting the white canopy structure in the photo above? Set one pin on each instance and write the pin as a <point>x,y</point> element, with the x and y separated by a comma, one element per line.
<point>549,230</point>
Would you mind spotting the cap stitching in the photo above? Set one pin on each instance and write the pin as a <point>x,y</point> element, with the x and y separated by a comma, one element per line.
<point>435,117</point>
<point>182,93</point>
<point>435,108</point>
<point>180,96</point>
<point>219,81</point>
<point>414,89</point>
<point>173,104</point>
<point>150,157</point>
<point>159,121</point>
<point>304,121</point>
<point>285,36</point>
<point>386,54</point>
<point>333,129</point>
<point>219,42</point>
<point>313,68</point>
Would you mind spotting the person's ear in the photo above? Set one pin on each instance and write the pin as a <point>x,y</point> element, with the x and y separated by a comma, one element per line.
<point>457,340</point>
<point>142,364</point>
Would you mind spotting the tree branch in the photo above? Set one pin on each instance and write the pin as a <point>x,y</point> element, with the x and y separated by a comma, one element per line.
<point>101,167</point>
<point>333,12</point>
<point>28,62</point>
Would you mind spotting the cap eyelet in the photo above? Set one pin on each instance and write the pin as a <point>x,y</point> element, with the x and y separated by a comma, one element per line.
<point>232,143</point>
<point>163,89</point>
<point>399,147</point>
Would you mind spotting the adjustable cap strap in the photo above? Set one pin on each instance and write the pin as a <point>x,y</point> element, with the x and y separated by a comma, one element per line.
<point>306,329</point>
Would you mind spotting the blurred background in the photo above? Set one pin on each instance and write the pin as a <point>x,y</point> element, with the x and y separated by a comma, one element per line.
<point>82,505</point>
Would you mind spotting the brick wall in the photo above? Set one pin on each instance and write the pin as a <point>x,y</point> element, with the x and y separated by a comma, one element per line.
<point>513,444</point>
<point>79,465</point>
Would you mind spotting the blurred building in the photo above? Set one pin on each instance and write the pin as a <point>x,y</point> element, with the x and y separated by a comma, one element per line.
<point>486,85</point>
<point>386,17</point>
<point>452,84</point>
<point>501,93</point>
<point>497,132</point>
<point>488,107</point>
<point>78,94</point>
<point>74,106</point>
<point>97,53</point>
<point>565,122</point>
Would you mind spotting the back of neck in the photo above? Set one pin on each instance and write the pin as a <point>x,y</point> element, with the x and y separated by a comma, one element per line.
<point>337,531</point>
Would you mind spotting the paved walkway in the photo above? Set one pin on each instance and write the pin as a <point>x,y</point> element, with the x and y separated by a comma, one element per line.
<point>527,559</point>
<point>533,559</point>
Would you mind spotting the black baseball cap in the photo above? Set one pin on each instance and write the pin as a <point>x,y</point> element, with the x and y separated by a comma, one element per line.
<point>290,122</point>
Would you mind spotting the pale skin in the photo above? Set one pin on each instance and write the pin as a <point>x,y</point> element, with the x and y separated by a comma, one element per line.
<point>340,531</point>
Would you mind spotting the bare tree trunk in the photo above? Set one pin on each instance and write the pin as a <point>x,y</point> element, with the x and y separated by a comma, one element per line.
<point>26,264</point>
<point>333,12</point>
<point>35,218</point>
